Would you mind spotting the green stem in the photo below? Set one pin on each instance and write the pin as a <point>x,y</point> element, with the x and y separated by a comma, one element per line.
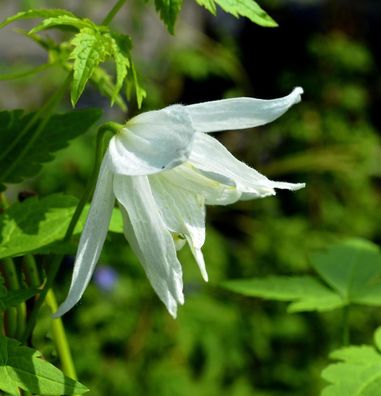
<point>4,204</point>
<point>26,73</point>
<point>55,265</point>
<point>2,324</point>
<point>110,16</point>
<point>15,316</point>
<point>10,322</point>
<point>60,340</point>
<point>31,271</point>
<point>46,112</point>
<point>57,329</point>
<point>345,326</point>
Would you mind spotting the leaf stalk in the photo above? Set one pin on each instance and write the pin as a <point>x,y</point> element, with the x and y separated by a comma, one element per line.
<point>110,16</point>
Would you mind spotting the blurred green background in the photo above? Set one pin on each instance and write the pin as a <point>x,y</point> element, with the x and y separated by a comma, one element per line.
<point>123,340</point>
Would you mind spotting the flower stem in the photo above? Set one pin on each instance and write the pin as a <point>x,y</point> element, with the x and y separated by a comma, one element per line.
<point>110,16</point>
<point>60,340</point>
<point>55,265</point>
<point>345,326</point>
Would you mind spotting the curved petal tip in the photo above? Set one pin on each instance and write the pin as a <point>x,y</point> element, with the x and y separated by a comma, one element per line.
<point>297,92</point>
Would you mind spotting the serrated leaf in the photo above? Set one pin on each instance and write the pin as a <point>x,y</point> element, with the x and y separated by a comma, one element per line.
<point>305,292</point>
<point>169,10</point>
<point>22,367</point>
<point>210,5</point>
<point>353,269</point>
<point>31,225</point>
<point>62,21</point>
<point>28,225</point>
<point>90,50</point>
<point>358,373</point>
<point>139,92</point>
<point>120,47</point>
<point>92,45</point>
<point>59,130</point>
<point>246,8</point>
<point>36,13</point>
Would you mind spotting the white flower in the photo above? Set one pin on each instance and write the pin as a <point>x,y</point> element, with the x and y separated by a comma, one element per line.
<point>163,168</point>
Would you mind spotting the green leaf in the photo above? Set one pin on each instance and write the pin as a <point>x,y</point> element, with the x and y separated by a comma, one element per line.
<point>65,21</point>
<point>34,224</point>
<point>139,92</point>
<point>246,8</point>
<point>169,10</point>
<point>210,5</point>
<point>36,13</point>
<point>353,269</point>
<point>86,51</point>
<point>22,367</point>
<point>93,47</point>
<point>120,48</point>
<point>14,167</point>
<point>305,292</point>
<point>357,374</point>
<point>90,49</point>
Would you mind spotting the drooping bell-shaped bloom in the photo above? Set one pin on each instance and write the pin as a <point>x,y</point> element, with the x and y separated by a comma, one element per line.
<point>163,168</point>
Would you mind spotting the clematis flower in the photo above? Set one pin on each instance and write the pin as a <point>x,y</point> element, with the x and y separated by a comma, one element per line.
<point>163,168</point>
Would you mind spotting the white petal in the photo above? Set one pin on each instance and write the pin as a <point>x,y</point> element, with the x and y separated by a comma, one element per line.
<point>152,142</point>
<point>210,156</point>
<point>239,113</point>
<point>150,239</point>
<point>216,191</point>
<point>183,212</point>
<point>92,238</point>
<point>199,257</point>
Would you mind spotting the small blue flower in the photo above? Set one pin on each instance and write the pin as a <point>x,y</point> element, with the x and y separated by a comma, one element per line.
<point>105,278</point>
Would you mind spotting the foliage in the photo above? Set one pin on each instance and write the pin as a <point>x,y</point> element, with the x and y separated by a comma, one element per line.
<point>23,367</point>
<point>24,151</point>
<point>90,46</point>
<point>221,343</point>
<point>169,10</point>
<point>36,224</point>
<point>247,8</point>
<point>351,269</point>
<point>357,373</point>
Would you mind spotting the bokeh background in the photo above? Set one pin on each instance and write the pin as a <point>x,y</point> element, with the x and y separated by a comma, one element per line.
<point>123,340</point>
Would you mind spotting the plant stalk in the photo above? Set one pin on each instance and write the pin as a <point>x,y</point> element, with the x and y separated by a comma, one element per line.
<point>110,16</point>
<point>60,340</point>
<point>345,335</point>
<point>15,316</point>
